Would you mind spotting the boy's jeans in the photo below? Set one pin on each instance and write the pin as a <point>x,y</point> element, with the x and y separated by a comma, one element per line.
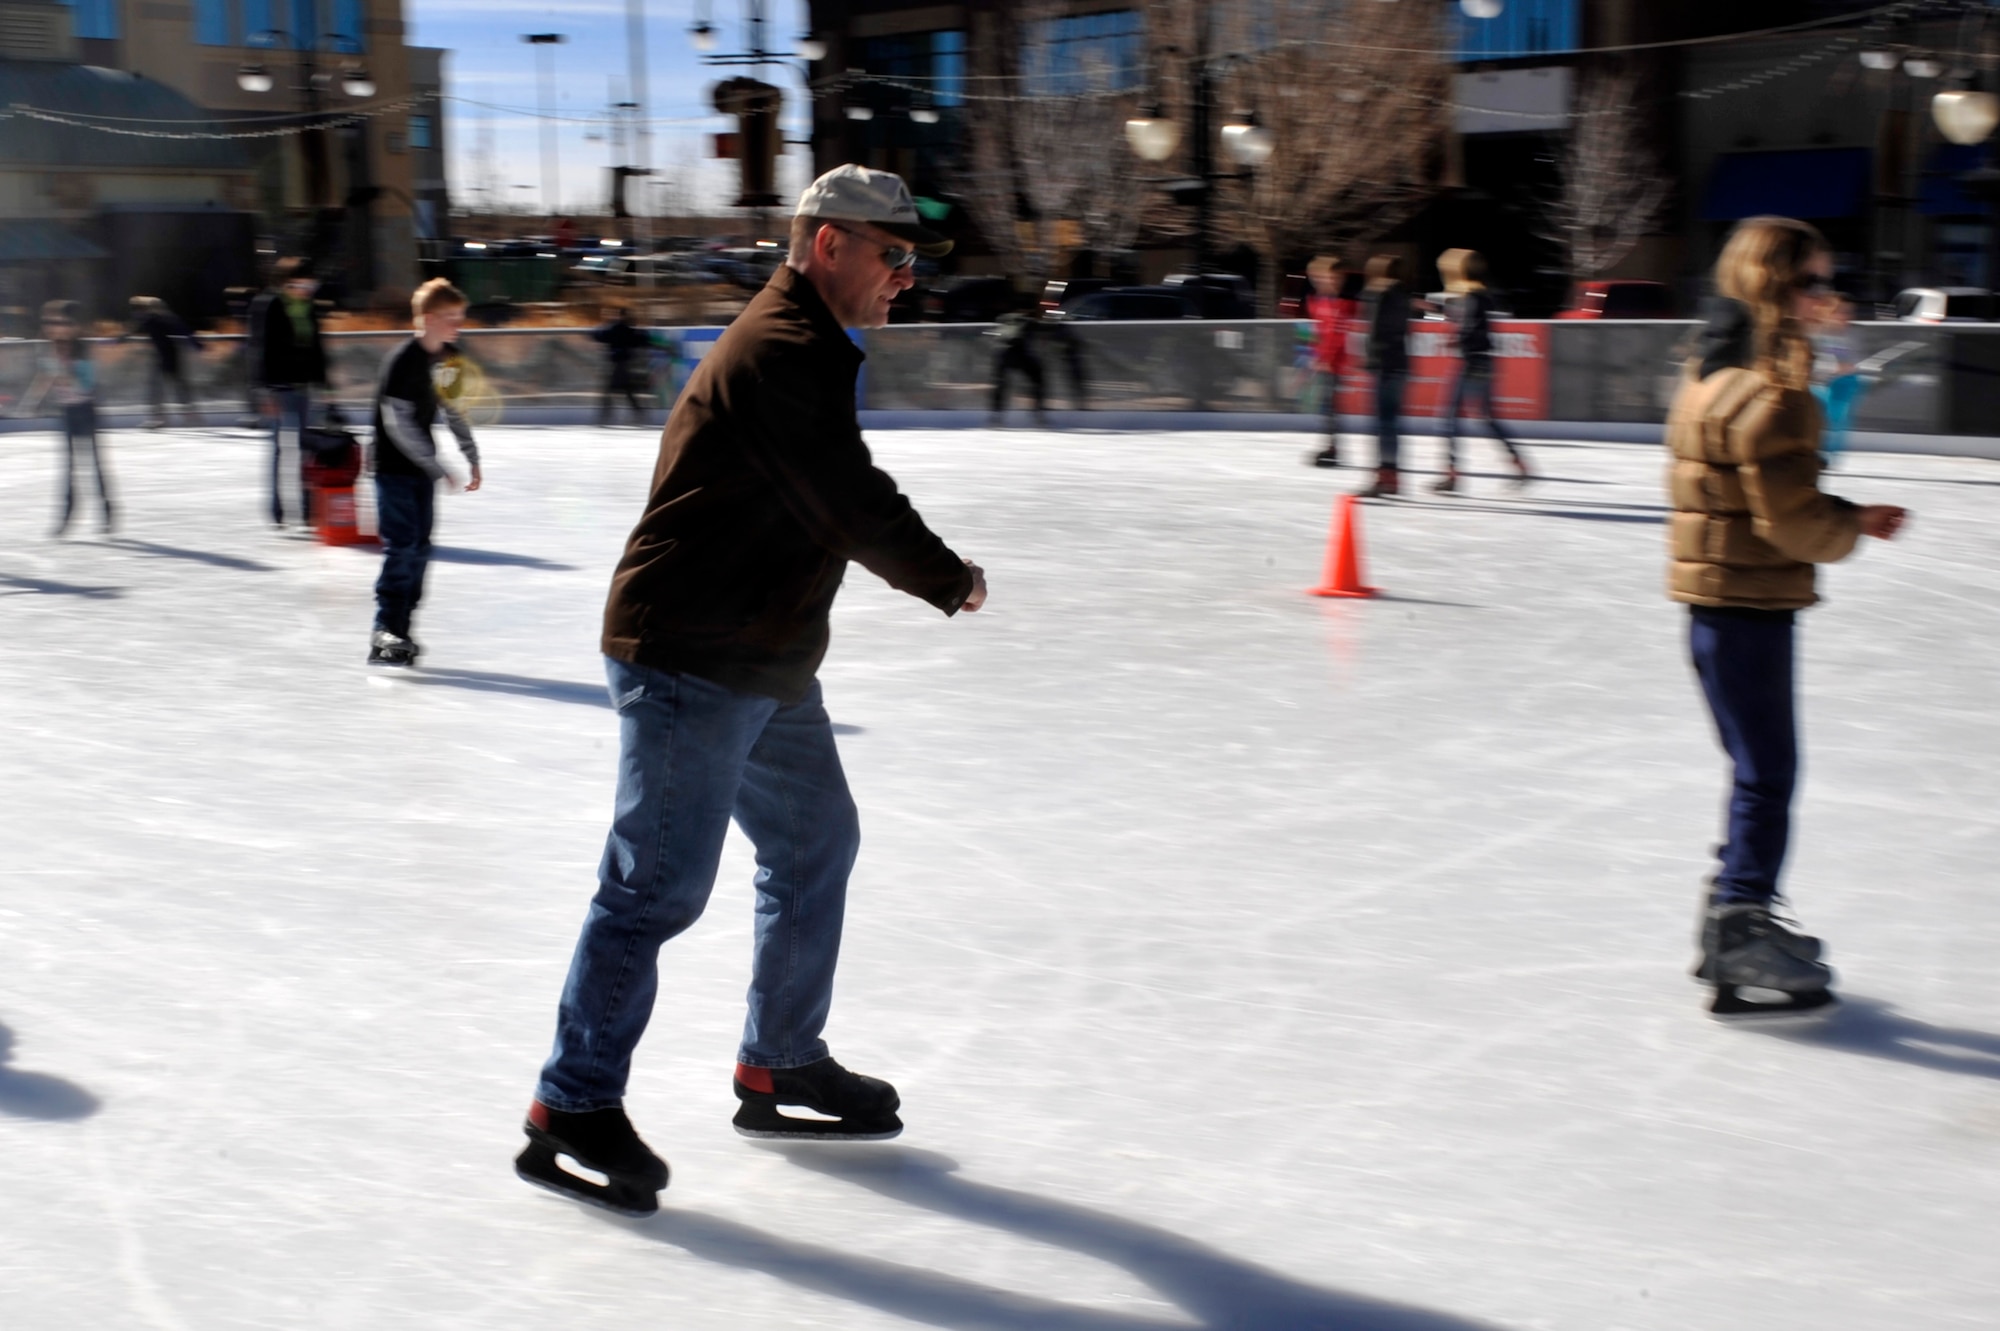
<point>293,406</point>
<point>404,507</point>
<point>1744,660</point>
<point>692,754</point>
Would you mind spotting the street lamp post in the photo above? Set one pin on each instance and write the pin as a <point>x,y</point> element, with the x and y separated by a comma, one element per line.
<point>545,44</point>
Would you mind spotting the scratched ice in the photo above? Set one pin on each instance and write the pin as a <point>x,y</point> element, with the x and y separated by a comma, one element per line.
<point>1244,959</point>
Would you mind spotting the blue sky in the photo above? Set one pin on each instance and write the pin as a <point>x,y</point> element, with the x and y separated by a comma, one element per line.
<point>488,62</point>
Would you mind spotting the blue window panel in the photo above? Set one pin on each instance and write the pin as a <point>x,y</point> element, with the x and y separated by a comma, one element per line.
<point>1523,28</point>
<point>214,23</point>
<point>305,31</point>
<point>1086,53</point>
<point>420,132</point>
<point>258,20</point>
<point>94,19</point>
<point>349,20</point>
<point>948,68</point>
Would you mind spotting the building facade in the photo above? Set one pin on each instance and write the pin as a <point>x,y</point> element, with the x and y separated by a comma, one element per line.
<point>346,195</point>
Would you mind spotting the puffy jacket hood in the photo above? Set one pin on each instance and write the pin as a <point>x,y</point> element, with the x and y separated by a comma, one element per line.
<point>1727,337</point>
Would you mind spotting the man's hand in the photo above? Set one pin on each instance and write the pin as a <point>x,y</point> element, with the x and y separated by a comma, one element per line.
<point>1882,521</point>
<point>977,596</point>
<point>473,484</point>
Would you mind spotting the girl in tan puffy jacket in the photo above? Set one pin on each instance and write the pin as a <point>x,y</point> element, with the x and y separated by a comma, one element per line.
<point>1749,524</point>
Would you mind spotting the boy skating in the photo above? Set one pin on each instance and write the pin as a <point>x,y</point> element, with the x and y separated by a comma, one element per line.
<point>407,469</point>
<point>713,635</point>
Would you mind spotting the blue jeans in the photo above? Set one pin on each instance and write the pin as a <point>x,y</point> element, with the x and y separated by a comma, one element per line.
<point>1388,406</point>
<point>1475,379</point>
<point>692,754</point>
<point>1744,658</point>
<point>404,507</point>
<point>292,404</point>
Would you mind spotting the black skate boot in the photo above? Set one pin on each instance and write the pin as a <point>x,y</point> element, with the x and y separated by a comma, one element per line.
<point>1755,966</point>
<point>1803,946</point>
<point>601,1140</point>
<point>391,650</point>
<point>860,1109</point>
<point>1328,456</point>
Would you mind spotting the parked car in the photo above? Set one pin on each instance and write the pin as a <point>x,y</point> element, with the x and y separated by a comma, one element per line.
<point>1065,289</point>
<point>1216,295</point>
<point>1621,300</point>
<point>970,300</point>
<point>1127,303</point>
<point>1937,305</point>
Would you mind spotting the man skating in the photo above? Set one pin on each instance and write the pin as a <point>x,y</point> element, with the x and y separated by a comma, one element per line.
<point>713,635</point>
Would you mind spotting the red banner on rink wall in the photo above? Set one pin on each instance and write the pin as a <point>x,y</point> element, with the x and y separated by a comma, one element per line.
<point>1520,371</point>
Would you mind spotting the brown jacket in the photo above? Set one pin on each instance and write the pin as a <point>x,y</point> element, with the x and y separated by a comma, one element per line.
<point>1749,518</point>
<point>762,493</point>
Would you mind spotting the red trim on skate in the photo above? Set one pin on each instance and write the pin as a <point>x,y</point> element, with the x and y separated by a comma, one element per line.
<point>538,1114</point>
<point>755,1079</point>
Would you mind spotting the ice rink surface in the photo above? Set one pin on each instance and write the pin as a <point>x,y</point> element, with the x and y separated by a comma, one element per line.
<point>1245,960</point>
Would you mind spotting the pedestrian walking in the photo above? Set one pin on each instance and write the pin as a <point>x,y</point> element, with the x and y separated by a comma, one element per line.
<point>291,363</point>
<point>66,378</point>
<point>1471,313</point>
<point>1749,524</point>
<point>407,469</point>
<point>1385,312</point>
<point>625,347</point>
<point>713,636</point>
<point>166,377</point>
<point>1334,304</point>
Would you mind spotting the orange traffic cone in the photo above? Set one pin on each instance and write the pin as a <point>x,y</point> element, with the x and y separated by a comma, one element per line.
<point>1343,553</point>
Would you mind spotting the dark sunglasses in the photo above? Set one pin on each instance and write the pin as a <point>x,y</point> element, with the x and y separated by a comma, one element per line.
<point>1814,283</point>
<point>895,256</point>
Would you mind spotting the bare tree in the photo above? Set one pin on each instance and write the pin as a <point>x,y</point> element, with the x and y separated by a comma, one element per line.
<point>1612,189</point>
<point>1046,168</point>
<point>1353,97</point>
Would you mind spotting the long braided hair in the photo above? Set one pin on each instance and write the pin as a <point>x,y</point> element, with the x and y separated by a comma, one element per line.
<point>1761,267</point>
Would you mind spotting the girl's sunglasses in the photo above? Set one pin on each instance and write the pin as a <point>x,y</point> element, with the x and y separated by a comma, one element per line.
<point>1814,283</point>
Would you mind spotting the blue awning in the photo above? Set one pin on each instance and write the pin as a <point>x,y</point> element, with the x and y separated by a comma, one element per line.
<point>1941,195</point>
<point>1808,183</point>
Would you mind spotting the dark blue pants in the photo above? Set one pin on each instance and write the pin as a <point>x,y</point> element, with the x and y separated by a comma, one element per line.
<point>293,405</point>
<point>404,506</point>
<point>1744,659</point>
<point>1388,407</point>
<point>80,446</point>
<point>1475,379</point>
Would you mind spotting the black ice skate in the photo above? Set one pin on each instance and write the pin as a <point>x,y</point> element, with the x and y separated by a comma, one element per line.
<point>856,1108</point>
<point>602,1141</point>
<point>1757,968</point>
<point>392,651</point>
<point>1803,946</point>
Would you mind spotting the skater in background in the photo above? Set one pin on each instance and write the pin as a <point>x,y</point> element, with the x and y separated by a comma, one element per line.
<point>407,469</point>
<point>1838,381</point>
<point>1471,313</point>
<point>1749,523</point>
<point>713,636</point>
<point>291,362</point>
<point>1019,332</point>
<point>1334,305</point>
<point>625,346</point>
<point>1385,312</point>
<point>66,378</point>
<point>166,379</point>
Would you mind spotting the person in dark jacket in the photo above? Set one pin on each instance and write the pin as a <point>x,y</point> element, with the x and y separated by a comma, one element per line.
<point>1385,305</point>
<point>291,362</point>
<point>152,320</point>
<point>1749,524</point>
<point>625,347</point>
<point>1472,323</point>
<point>714,633</point>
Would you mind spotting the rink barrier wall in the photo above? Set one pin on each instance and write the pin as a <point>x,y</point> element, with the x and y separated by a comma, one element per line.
<point>1596,379</point>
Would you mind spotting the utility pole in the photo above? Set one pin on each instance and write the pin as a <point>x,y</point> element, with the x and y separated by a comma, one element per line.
<point>545,44</point>
<point>642,132</point>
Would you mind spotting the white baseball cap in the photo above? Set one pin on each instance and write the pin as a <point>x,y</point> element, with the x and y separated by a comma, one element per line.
<point>853,193</point>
